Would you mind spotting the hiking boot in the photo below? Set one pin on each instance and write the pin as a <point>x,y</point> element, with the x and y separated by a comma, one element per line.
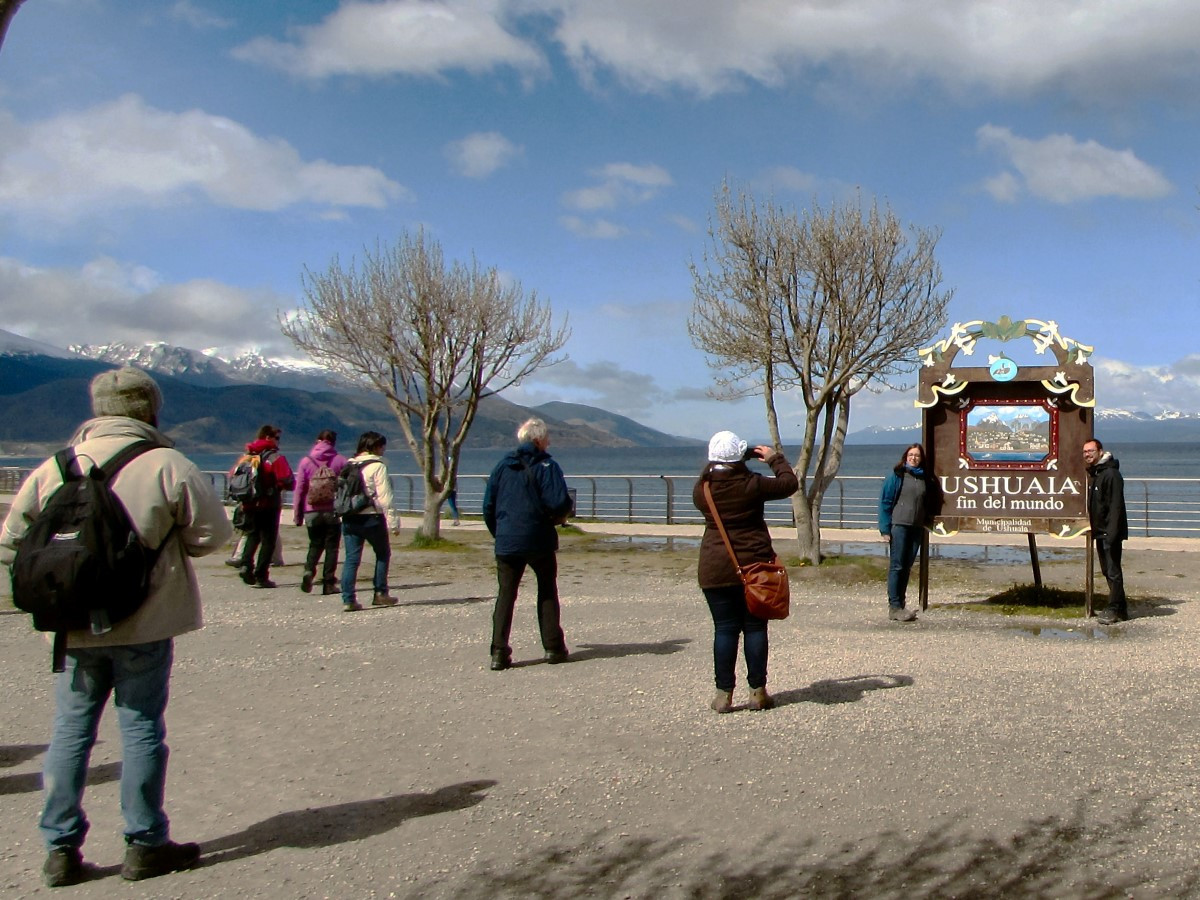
<point>63,867</point>
<point>900,614</point>
<point>722,702</point>
<point>1111,616</point>
<point>306,582</point>
<point>554,657</point>
<point>352,606</point>
<point>330,589</point>
<point>264,583</point>
<point>760,699</point>
<point>501,660</point>
<point>247,575</point>
<point>150,862</point>
<point>383,599</point>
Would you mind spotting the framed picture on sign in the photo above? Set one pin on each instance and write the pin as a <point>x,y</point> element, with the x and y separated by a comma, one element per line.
<point>1009,434</point>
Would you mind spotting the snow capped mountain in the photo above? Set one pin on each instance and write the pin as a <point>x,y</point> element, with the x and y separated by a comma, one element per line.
<point>208,369</point>
<point>15,345</point>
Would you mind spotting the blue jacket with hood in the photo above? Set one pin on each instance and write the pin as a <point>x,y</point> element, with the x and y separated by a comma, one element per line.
<point>525,493</point>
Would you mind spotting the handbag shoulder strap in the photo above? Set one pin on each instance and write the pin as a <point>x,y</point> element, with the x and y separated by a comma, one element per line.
<point>720,525</point>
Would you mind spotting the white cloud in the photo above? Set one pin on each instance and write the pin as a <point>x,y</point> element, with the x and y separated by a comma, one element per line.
<point>480,154</point>
<point>1095,48</point>
<point>619,184</point>
<point>128,154</point>
<point>1061,169</point>
<point>1173,387</point>
<point>411,37</point>
<point>198,17</point>
<point>599,229</point>
<point>709,46</point>
<point>109,300</point>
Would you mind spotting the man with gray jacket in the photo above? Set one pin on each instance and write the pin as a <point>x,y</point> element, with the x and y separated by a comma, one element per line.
<point>172,505</point>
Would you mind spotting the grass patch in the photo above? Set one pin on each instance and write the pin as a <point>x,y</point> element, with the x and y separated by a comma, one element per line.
<point>857,568</point>
<point>422,541</point>
<point>1028,600</point>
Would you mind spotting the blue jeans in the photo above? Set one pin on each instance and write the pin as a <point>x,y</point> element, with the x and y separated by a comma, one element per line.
<point>137,676</point>
<point>373,530</point>
<point>906,543</point>
<point>732,620</point>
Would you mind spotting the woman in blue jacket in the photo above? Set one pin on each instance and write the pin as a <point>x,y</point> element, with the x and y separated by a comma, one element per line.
<point>905,504</point>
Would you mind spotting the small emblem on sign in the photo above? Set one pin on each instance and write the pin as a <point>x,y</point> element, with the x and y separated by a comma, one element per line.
<point>1002,369</point>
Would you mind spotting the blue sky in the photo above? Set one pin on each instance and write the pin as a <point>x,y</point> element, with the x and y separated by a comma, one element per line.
<point>167,169</point>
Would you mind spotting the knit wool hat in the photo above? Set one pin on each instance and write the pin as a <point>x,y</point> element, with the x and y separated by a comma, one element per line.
<point>726,447</point>
<point>126,392</point>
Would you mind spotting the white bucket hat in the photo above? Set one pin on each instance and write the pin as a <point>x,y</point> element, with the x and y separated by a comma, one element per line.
<point>726,447</point>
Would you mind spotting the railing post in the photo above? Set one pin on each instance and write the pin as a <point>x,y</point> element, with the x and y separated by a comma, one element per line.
<point>629,483</point>
<point>670,499</point>
<point>1146,506</point>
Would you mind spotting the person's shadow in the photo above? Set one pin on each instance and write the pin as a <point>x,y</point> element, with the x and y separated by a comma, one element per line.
<point>842,690</point>
<point>616,651</point>
<point>339,824</point>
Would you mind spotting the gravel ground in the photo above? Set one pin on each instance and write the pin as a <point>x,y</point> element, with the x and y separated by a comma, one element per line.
<point>322,754</point>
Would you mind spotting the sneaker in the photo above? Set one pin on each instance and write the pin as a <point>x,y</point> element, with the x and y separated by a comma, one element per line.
<point>352,606</point>
<point>150,862</point>
<point>554,657</point>
<point>265,583</point>
<point>1111,617</point>
<point>900,614</point>
<point>63,867</point>
<point>501,661</point>
<point>235,562</point>
<point>306,582</point>
<point>384,600</point>
<point>247,575</point>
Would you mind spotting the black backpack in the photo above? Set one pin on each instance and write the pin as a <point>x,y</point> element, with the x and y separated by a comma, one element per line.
<point>351,496</point>
<point>81,563</point>
<point>252,478</point>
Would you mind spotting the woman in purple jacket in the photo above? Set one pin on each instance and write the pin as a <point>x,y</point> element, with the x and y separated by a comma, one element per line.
<point>312,505</point>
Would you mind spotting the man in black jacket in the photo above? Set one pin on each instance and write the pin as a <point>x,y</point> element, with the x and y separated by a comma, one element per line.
<point>1106,511</point>
<point>526,496</point>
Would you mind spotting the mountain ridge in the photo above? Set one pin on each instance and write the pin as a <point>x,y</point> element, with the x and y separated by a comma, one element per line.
<point>211,404</point>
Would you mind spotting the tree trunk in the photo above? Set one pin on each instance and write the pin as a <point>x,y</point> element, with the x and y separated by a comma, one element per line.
<point>808,531</point>
<point>431,515</point>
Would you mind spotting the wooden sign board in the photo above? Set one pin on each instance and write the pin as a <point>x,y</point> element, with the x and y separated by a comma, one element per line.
<point>1005,441</point>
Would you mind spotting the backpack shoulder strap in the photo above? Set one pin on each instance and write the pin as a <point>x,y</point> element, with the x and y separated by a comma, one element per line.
<point>126,455</point>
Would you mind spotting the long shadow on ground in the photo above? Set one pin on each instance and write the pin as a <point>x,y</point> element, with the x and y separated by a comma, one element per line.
<point>842,690</point>
<point>616,651</point>
<point>31,782</point>
<point>1057,857</point>
<point>341,823</point>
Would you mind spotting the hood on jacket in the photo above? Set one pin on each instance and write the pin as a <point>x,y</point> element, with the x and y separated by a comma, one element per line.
<point>262,444</point>
<point>119,426</point>
<point>1106,461</point>
<point>322,453</point>
<point>525,455</point>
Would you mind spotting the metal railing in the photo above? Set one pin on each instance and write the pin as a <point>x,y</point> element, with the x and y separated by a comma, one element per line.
<point>1156,507</point>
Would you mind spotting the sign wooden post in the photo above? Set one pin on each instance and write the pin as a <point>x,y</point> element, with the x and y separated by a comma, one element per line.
<point>1005,441</point>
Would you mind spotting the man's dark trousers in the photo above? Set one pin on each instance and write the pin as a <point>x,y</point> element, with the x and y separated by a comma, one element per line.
<point>509,570</point>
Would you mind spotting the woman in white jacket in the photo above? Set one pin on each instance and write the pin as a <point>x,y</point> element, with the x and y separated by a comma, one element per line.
<point>371,525</point>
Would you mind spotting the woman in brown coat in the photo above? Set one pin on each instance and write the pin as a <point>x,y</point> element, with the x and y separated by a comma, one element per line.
<point>739,495</point>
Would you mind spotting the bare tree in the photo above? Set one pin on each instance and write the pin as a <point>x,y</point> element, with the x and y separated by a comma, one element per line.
<point>433,339</point>
<point>8,9</point>
<point>820,305</point>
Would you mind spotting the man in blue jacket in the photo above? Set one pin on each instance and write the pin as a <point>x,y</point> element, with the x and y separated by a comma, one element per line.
<point>526,496</point>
